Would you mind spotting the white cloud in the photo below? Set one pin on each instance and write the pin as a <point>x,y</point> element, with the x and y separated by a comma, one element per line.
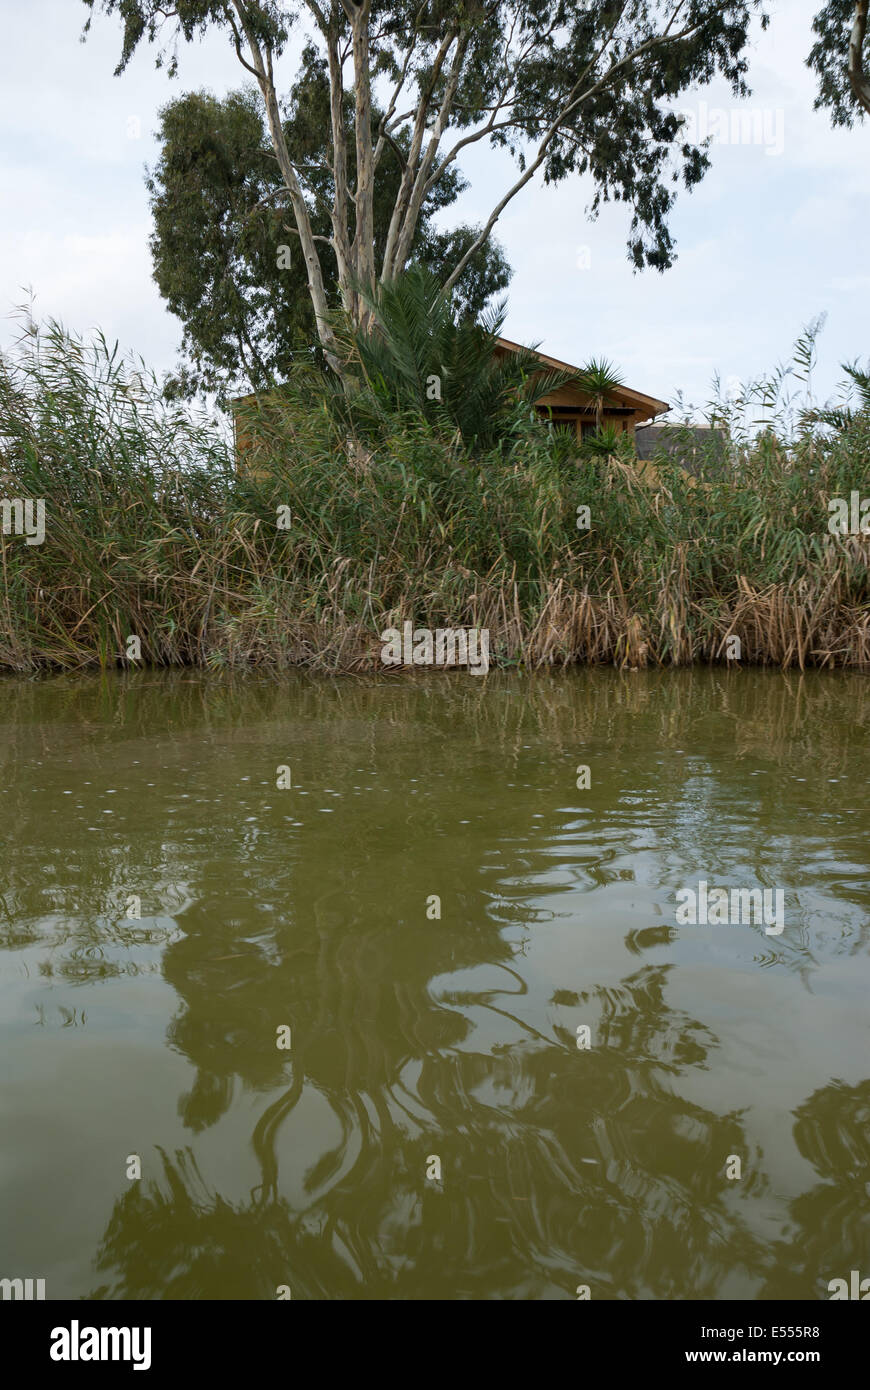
<point>850,284</point>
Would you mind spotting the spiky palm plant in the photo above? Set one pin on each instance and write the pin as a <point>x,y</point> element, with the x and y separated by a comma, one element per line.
<point>604,443</point>
<point>420,358</point>
<point>840,417</point>
<point>599,379</point>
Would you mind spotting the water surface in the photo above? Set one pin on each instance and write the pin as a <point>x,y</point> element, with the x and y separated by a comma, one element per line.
<point>415,1036</point>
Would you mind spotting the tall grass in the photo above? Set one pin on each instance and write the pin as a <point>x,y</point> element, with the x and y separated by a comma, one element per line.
<point>152,531</point>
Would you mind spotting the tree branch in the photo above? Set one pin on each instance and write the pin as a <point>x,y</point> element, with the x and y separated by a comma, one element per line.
<point>363,250</point>
<point>418,192</point>
<point>397,92</point>
<point>661,40</point>
<point>408,177</point>
<point>265,78</point>
<point>339,211</point>
<point>859,83</point>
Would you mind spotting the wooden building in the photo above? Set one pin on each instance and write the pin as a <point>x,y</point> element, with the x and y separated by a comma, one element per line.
<point>567,409</point>
<point>570,409</point>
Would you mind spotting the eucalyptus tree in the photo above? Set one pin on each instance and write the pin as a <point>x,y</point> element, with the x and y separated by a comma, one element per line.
<point>841,59</point>
<point>565,87</point>
<point>223,254</point>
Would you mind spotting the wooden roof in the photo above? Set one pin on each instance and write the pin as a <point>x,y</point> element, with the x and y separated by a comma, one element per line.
<point>643,407</point>
<point>640,405</point>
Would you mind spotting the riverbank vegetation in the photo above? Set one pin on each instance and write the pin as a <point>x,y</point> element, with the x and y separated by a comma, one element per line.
<point>345,525</point>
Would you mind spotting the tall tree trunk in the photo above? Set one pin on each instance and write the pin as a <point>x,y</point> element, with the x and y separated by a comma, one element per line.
<point>418,192</point>
<point>340,234</point>
<point>363,252</point>
<point>262,68</point>
<point>391,266</point>
<point>859,82</point>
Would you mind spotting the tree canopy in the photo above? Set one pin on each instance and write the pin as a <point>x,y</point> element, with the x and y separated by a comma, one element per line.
<point>224,257</point>
<point>840,58</point>
<point>566,88</point>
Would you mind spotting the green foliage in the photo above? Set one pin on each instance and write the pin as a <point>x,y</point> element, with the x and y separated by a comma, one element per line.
<point>220,217</point>
<point>606,442</point>
<point>593,85</point>
<point>150,530</point>
<point>844,416</point>
<point>599,379</point>
<point>829,59</point>
<point>425,360</point>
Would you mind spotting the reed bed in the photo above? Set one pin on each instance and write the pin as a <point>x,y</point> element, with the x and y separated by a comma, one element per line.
<point>304,556</point>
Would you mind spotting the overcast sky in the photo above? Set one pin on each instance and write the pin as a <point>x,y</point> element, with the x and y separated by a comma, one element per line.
<point>775,235</point>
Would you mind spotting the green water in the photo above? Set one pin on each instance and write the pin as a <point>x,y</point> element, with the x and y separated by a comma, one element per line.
<point>414,1037</point>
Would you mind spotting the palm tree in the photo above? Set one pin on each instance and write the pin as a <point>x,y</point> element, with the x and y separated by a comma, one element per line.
<point>420,358</point>
<point>604,443</point>
<point>840,417</point>
<point>599,379</point>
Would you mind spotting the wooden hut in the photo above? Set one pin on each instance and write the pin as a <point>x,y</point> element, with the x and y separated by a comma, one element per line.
<point>570,409</point>
<point>567,409</point>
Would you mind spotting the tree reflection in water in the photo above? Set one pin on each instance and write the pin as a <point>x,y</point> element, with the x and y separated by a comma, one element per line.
<point>456,1036</point>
